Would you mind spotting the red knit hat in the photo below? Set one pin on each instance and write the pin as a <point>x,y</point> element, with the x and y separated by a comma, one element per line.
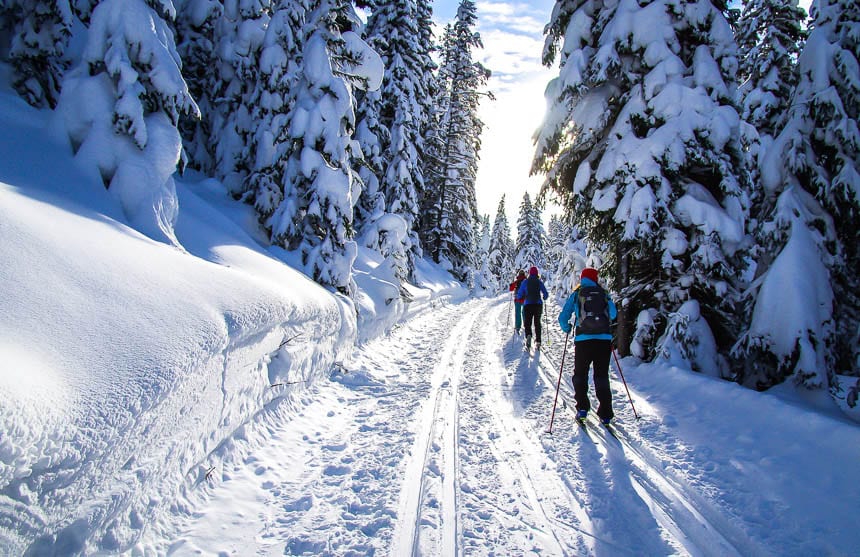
<point>589,273</point>
<point>533,271</point>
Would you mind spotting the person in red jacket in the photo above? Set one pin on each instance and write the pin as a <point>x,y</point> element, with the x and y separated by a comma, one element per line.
<point>518,302</point>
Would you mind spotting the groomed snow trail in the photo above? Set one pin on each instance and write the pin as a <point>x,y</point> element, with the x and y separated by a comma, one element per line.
<point>432,441</point>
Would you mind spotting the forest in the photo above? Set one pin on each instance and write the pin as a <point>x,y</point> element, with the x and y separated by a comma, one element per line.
<point>706,162</point>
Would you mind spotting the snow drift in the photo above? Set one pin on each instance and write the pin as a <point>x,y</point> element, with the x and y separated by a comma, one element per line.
<point>126,361</point>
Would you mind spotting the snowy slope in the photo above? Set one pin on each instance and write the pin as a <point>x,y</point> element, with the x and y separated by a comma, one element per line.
<point>125,362</point>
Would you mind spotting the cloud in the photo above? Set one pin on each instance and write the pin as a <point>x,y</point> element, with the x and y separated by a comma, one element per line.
<point>510,55</point>
<point>513,17</point>
<point>512,33</point>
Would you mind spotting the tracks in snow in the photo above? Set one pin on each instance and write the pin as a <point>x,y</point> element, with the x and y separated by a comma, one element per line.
<point>476,479</point>
<point>431,469</point>
<point>686,521</point>
<point>433,444</point>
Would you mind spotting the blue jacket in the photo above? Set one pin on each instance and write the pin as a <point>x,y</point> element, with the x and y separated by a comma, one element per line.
<point>523,291</point>
<point>570,312</point>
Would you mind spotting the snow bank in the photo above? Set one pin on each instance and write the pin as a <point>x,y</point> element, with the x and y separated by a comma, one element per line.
<point>780,464</point>
<point>124,362</point>
<point>129,367</point>
<point>382,304</point>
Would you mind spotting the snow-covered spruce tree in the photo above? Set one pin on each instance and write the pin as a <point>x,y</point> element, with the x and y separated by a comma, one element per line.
<point>195,26</point>
<point>571,258</point>
<point>233,86</point>
<point>501,249</point>
<point>450,207</point>
<point>558,268</point>
<point>484,282</point>
<point>433,162</point>
<point>781,340</point>
<point>121,107</point>
<point>377,229</point>
<point>40,31</point>
<point>372,138</point>
<point>812,171</point>
<point>551,244</point>
<point>278,71</point>
<point>530,237</point>
<point>392,30</point>
<point>641,145</point>
<point>320,181</point>
<point>428,77</point>
<point>770,34</point>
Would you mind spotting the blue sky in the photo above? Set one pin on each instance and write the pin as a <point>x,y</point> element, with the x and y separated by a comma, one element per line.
<point>512,33</point>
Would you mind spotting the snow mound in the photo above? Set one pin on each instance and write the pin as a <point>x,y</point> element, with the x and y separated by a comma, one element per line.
<point>125,362</point>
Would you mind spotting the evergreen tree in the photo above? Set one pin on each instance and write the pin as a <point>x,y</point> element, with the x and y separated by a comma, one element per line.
<point>121,107</point>
<point>196,26</point>
<point>559,233</point>
<point>234,90</point>
<point>221,42</point>
<point>530,237</point>
<point>501,249</point>
<point>428,68</point>
<point>40,37</point>
<point>484,281</point>
<point>770,35</point>
<point>642,146</point>
<point>450,207</point>
<point>279,68</point>
<point>320,181</point>
<point>569,256</point>
<point>812,172</point>
<point>394,115</point>
<point>373,137</point>
<point>434,141</point>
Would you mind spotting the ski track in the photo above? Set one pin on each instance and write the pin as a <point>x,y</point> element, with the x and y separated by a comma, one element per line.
<point>647,482</point>
<point>442,449</point>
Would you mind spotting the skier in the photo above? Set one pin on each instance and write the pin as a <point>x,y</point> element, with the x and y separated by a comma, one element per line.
<point>592,311</point>
<point>530,292</point>
<point>518,302</point>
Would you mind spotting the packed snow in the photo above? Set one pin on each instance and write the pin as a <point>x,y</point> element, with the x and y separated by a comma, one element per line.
<point>205,397</point>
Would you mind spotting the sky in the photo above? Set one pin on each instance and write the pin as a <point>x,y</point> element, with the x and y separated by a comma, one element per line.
<point>512,33</point>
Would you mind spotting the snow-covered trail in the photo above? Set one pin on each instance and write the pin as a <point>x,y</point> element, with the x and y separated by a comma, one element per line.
<point>414,451</point>
<point>433,442</point>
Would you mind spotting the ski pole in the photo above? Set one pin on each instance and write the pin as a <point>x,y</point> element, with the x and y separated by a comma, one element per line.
<point>618,366</point>
<point>558,385</point>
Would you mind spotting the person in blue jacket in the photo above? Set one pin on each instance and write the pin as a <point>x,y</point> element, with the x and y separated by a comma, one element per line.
<point>530,292</point>
<point>590,311</point>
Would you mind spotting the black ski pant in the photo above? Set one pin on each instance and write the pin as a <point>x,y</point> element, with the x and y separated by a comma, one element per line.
<point>533,312</point>
<point>586,353</point>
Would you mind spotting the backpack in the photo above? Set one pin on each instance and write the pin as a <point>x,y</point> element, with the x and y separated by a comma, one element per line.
<point>593,311</point>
